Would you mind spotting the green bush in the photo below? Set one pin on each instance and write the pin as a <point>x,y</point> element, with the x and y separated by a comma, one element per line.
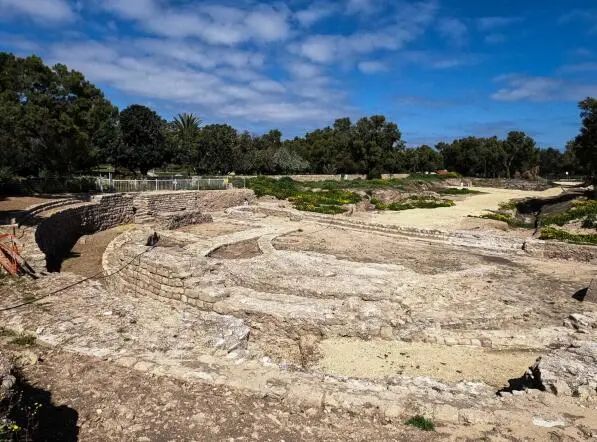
<point>282,189</point>
<point>507,218</point>
<point>590,222</point>
<point>457,191</point>
<point>562,235</point>
<point>578,210</point>
<point>509,205</point>
<point>413,203</point>
<point>421,422</point>
<point>325,201</point>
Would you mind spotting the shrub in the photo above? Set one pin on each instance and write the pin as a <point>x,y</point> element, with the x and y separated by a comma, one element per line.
<point>562,235</point>
<point>282,189</point>
<point>326,201</point>
<point>421,422</point>
<point>25,340</point>
<point>509,205</point>
<point>578,210</point>
<point>590,222</point>
<point>457,191</point>
<point>507,218</point>
<point>413,203</point>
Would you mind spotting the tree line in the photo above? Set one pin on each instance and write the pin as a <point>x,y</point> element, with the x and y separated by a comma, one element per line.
<point>53,122</point>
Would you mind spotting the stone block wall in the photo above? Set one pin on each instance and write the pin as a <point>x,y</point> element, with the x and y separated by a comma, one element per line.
<point>151,203</point>
<point>58,232</point>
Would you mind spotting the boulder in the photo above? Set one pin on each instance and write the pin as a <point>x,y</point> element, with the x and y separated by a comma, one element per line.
<point>591,295</point>
<point>566,372</point>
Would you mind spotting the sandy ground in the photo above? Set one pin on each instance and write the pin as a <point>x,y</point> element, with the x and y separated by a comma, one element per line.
<point>90,399</point>
<point>377,359</point>
<point>450,218</point>
<point>85,258</point>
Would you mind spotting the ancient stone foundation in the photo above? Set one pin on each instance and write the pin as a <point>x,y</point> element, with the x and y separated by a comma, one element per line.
<point>57,228</point>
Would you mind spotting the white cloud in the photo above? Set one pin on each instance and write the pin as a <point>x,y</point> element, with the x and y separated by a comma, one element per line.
<point>314,13</point>
<point>408,23</point>
<point>41,11</point>
<point>539,89</point>
<point>214,24</point>
<point>453,29</point>
<point>495,38</point>
<point>440,60</point>
<point>492,23</point>
<point>372,67</point>
<point>362,6</point>
<point>156,70</point>
<point>579,67</point>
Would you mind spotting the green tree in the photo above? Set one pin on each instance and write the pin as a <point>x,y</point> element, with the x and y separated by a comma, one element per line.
<point>143,139</point>
<point>288,161</point>
<point>185,132</point>
<point>520,153</point>
<point>217,145</point>
<point>551,162</point>
<point>52,120</point>
<point>375,140</point>
<point>421,159</point>
<point>585,144</point>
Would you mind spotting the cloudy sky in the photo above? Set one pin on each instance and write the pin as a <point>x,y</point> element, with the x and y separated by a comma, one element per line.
<point>441,69</point>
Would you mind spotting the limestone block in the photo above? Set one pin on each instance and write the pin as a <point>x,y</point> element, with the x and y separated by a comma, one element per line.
<point>591,295</point>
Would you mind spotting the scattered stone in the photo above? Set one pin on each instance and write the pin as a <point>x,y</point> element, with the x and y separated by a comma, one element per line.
<point>566,372</point>
<point>591,295</point>
<point>540,422</point>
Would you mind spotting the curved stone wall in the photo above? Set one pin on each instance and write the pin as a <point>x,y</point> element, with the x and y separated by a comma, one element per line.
<point>57,232</point>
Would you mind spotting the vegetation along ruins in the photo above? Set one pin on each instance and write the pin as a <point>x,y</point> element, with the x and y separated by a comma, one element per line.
<point>298,220</point>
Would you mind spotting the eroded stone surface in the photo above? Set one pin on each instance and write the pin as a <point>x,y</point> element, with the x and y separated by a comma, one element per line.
<point>255,323</point>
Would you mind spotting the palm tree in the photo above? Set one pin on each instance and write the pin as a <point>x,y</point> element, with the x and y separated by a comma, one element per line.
<point>187,125</point>
<point>186,132</point>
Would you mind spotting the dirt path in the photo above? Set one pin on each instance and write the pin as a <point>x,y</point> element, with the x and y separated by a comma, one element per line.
<point>85,258</point>
<point>99,401</point>
<point>378,359</point>
<point>450,218</point>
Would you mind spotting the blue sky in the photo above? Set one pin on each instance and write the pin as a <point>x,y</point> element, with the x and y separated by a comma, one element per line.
<point>440,69</point>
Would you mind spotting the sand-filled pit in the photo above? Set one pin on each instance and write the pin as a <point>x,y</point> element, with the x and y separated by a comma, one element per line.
<point>378,359</point>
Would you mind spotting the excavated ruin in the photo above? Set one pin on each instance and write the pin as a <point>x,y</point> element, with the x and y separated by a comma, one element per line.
<point>325,312</point>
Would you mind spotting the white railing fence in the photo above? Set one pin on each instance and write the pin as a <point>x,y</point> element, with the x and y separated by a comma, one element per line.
<point>148,185</point>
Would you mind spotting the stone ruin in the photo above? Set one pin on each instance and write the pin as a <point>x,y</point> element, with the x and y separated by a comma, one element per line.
<point>256,321</point>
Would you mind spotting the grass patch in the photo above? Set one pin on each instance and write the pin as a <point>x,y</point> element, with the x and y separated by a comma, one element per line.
<point>328,201</point>
<point>508,219</point>
<point>5,332</point>
<point>590,222</point>
<point>413,203</point>
<point>24,340</point>
<point>509,205</point>
<point>388,183</point>
<point>421,422</point>
<point>579,210</point>
<point>457,191</point>
<point>561,235</point>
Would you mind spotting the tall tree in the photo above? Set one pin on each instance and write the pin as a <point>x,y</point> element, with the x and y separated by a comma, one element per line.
<point>521,153</point>
<point>585,144</point>
<point>51,119</point>
<point>217,145</point>
<point>143,138</point>
<point>186,132</point>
